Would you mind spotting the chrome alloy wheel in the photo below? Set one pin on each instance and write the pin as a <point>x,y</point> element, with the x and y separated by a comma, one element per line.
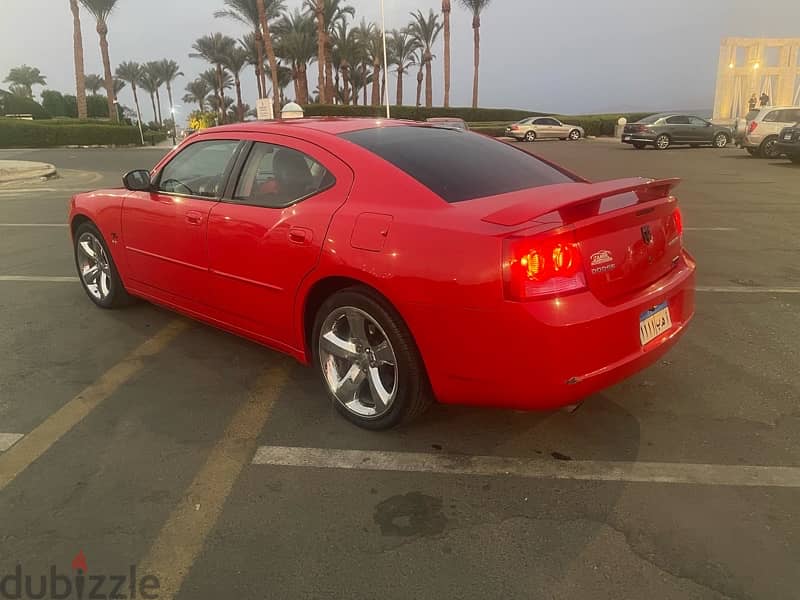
<point>358,362</point>
<point>574,134</point>
<point>94,267</point>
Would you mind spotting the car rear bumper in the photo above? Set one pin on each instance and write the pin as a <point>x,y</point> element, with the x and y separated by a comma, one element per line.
<point>517,135</point>
<point>551,353</point>
<point>638,138</point>
<point>791,148</point>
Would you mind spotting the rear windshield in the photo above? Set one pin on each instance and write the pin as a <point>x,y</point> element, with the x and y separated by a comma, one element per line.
<point>651,119</point>
<point>751,115</point>
<point>457,165</point>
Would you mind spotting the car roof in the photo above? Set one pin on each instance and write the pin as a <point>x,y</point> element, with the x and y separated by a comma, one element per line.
<point>443,119</point>
<point>331,125</point>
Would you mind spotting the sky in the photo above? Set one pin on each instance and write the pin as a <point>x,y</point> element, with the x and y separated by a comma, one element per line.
<point>559,56</point>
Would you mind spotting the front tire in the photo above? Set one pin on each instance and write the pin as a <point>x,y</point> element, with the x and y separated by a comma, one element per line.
<point>530,136</point>
<point>368,361</point>
<point>574,135</point>
<point>663,142</point>
<point>96,269</point>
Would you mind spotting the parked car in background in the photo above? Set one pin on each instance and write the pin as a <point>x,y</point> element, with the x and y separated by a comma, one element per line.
<point>536,128</point>
<point>789,142</point>
<point>452,122</point>
<point>763,129</point>
<point>665,130</point>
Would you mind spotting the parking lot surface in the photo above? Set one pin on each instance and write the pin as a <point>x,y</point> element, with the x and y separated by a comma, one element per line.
<point>139,438</point>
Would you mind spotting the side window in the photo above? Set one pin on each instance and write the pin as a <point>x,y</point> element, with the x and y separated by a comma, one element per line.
<point>276,176</point>
<point>540,122</point>
<point>697,121</point>
<point>551,121</point>
<point>791,115</point>
<point>773,116</point>
<point>678,120</point>
<point>198,169</point>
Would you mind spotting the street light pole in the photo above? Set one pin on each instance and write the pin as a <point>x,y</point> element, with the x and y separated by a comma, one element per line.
<point>385,62</point>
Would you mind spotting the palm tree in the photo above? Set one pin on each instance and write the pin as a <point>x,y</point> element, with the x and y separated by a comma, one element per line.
<point>77,48</point>
<point>327,13</point>
<point>364,32</point>
<point>446,8</point>
<point>214,48</point>
<point>476,7</point>
<point>119,85</point>
<point>132,73</point>
<point>169,71</point>
<point>270,9</point>
<point>247,12</point>
<point>402,50</point>
<point>296,43</point>
<point>211,79</point>
<point>150,82</point>
<point>426,30</point>
<point>318,8</point>
<point>374,50</point>
<point>101,10</point>
<point>419,57</point>
<point>197,91</point>
<point>24,78</point>
<point>235,62</point>
<point>93,83</point>
<point>346,53</point>
<point>156,77</point>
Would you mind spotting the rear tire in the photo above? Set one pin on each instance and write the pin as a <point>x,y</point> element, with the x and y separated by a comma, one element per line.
<point>769,148</point>
<point>96,269</point>
<point>663,142</point>
<point>530,136</point>
<point>366,364</point>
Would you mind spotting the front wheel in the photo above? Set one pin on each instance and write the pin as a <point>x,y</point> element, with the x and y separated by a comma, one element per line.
<point>96,269</point>
<point>368,361</point>
<point>530,136</point>
<point>720,140</point>
<point>663,141</point>
<point>574,135</point>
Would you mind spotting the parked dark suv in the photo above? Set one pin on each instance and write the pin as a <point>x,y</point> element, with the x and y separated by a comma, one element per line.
<point>665,130</point>
<point>789,143</point>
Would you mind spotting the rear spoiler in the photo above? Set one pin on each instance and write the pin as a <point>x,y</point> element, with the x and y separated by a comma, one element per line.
<point>543,200</point>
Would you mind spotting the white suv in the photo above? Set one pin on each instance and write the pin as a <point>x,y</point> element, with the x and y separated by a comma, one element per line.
<point>763,127</point>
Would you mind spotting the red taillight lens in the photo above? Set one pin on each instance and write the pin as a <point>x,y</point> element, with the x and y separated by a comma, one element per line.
<point>515,128</point>
<point>678,218</point>
<point>640,128</point>
<point>540,267</point>
<point>751,127</point>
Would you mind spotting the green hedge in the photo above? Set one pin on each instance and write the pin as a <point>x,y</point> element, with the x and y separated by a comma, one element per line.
<point>11,104</point>
<point>42,134</point>
<point>420,114</point>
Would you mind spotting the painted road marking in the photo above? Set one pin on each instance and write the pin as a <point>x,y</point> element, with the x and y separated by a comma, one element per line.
<point>710,229</point>
<point>20,456</point>
<point>181,539</point>
<point>34,224</point>
<point>8,439</point>
<point>536,468</point>
<point>747,290</point>
<point>37,278</point>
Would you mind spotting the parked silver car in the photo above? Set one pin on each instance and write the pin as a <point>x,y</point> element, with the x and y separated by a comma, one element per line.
<point>539,128</point>
<point>763,127</point>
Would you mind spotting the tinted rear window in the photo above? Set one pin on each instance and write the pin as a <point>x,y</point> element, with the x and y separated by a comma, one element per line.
<point>651,119</point>
<point>457,165</point>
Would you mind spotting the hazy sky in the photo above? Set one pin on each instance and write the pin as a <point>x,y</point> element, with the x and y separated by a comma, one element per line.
<point>564,56</point>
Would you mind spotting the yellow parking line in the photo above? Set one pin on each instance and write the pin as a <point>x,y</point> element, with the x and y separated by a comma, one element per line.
<point>22,454</point>
<point>181,539</point>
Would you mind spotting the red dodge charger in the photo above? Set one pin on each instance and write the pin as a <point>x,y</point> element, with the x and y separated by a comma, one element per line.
<point>406,262</point>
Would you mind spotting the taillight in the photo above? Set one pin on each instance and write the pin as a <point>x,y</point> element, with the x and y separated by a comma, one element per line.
<point>678,218</point>
<point>751,127</point>
<point>542,266</point>
<point>640,128</point>
<point>514,128</point>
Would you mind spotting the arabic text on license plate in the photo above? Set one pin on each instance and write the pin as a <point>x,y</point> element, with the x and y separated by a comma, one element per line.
<point>654,322</point>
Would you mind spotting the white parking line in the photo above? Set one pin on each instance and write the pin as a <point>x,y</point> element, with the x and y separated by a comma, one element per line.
<point>8,439</point>
<point>535,468</point>
<point>34,224</point>
<point>747,290</point>
<point>36,278</point>
<point>710,229</point>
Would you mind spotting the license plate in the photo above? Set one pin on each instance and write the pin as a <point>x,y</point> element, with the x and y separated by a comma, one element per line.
<point>788,137</point>
<point>626,137</point>
<point>654,322</point>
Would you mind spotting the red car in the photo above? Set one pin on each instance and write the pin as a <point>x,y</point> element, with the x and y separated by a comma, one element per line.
<point>407,262</point>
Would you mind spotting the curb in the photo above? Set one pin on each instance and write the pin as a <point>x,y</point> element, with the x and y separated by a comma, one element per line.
<point>27,172</point>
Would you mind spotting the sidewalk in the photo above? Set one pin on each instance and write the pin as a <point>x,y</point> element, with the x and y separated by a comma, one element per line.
<point>21,170</point>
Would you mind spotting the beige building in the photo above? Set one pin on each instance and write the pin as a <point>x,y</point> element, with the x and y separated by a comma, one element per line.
<point>750,66</point>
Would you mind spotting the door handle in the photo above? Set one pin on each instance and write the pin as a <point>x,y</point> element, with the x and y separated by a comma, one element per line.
<point>194,217</point>
<point>299,235</point>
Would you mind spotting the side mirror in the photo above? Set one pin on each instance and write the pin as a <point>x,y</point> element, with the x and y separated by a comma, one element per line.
<point>137,181</point>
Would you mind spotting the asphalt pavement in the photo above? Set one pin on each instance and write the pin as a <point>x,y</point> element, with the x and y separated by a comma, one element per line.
<point>140,440</point>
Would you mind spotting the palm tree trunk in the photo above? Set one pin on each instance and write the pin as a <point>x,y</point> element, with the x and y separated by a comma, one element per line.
<point>136,102</point>
<point>262,84</point>
<point>153,100</point>
<point>346,91</point>
<point>446,13</point>
<point>296,81</point>
<point>428,84</point>
<point>419,86</point>
<point>220,95</point>
<point>240,104</point>
<point>80,75</point>
<point>102,31</point>
<point>376,84</point>
<point>476,28</point>
<point>171,105</point>
<point>303,84</point>
<point>400,73</point>
<point>329,77</point>
<point>364,70</point>
<point>273,62</point>
<point>322,40</point>
<point>158,103</point>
